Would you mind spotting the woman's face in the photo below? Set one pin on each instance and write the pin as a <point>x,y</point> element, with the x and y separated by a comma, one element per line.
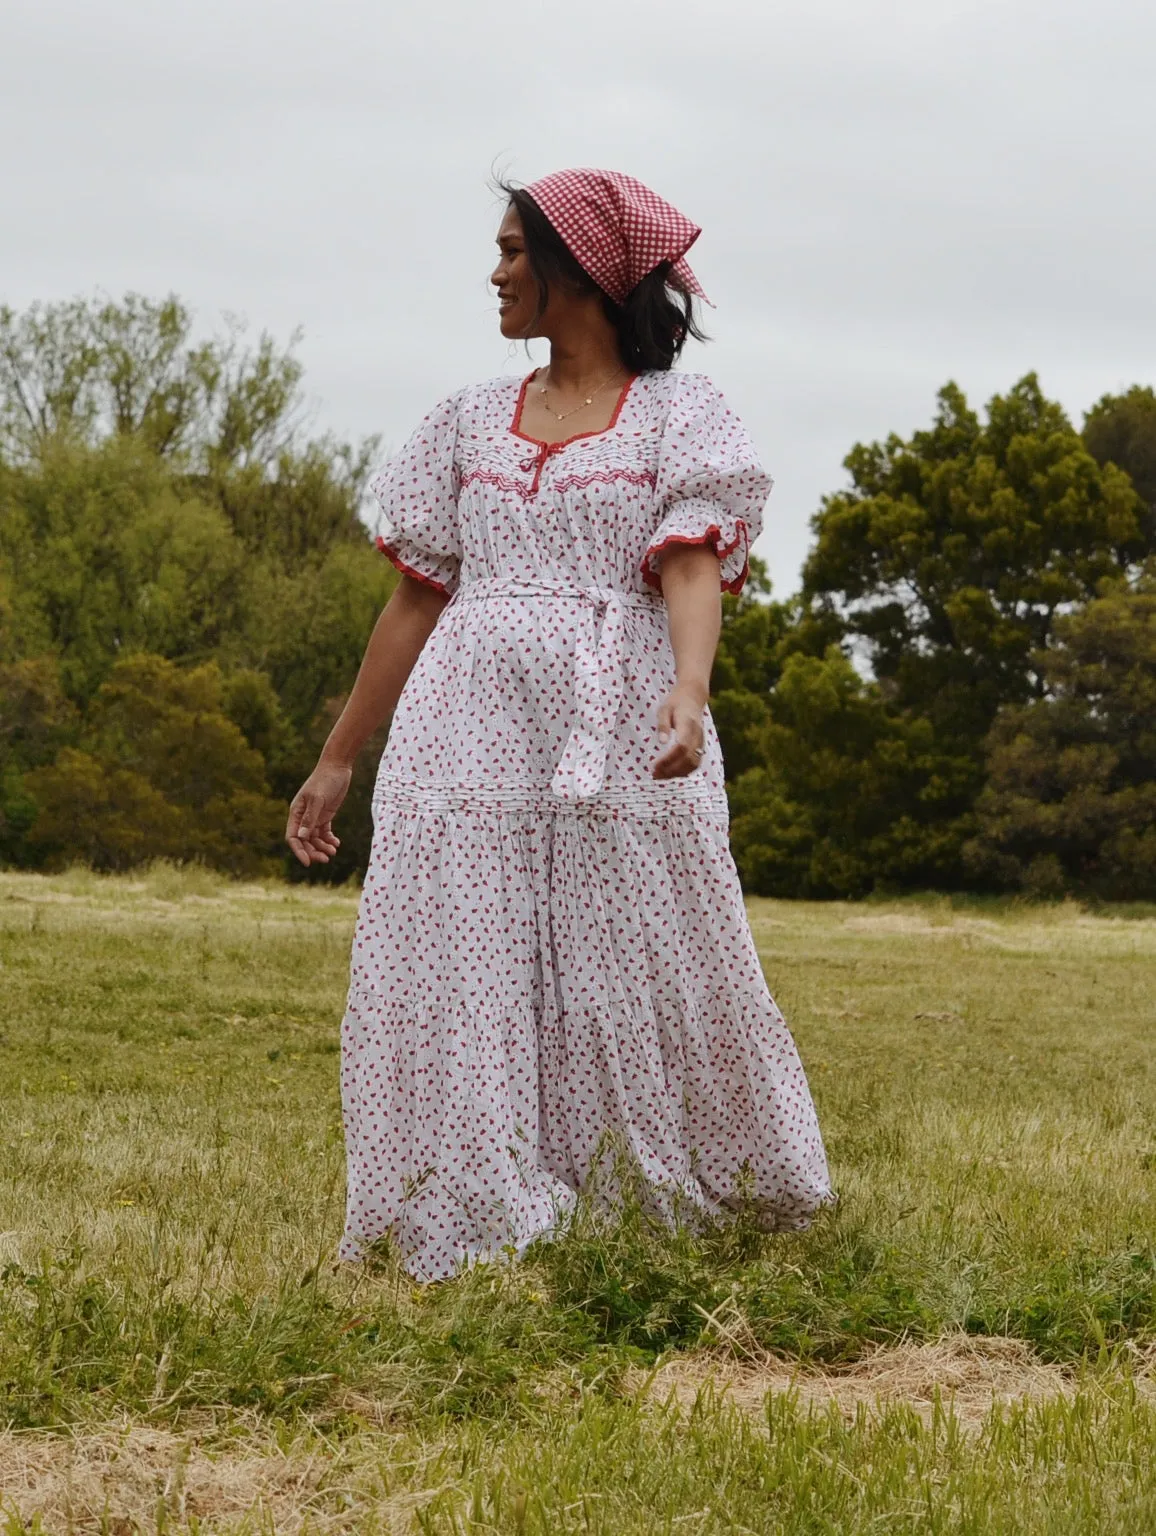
<point>516,285</point>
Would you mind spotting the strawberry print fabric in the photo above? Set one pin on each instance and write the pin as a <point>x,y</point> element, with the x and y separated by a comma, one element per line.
<point>552,964</point>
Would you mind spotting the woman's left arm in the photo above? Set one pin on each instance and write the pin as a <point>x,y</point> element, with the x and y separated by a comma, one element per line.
<point>690,584</point>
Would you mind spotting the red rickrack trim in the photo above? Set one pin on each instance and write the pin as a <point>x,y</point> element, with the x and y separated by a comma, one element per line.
<point>407,570</point>
<point>605,477</point>
<point>712,536</point>
<point>499,481</point>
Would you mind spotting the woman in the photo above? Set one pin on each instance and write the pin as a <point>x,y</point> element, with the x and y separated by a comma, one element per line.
<point>552,962</point>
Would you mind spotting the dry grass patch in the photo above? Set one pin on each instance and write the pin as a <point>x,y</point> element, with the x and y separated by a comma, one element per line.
<point>944,1406</point>
<point>129,1478</point>
<point>967,1375</point>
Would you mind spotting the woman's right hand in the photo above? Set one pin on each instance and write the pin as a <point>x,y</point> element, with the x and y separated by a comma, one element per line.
<point>309,831</point>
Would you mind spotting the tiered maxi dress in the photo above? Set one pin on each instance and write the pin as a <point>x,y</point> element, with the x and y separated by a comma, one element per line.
<point>552,968</point>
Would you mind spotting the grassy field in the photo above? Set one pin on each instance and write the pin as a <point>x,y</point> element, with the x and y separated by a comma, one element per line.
<point>964,1344</point>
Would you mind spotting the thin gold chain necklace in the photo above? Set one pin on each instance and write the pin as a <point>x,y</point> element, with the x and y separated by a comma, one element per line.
<point>589,400</point>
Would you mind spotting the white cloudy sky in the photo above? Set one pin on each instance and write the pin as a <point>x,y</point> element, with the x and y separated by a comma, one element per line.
<point>894,192</point>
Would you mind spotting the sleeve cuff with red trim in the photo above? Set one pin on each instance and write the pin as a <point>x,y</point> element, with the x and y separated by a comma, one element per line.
<point>432,571</point>
<point>702,522</point>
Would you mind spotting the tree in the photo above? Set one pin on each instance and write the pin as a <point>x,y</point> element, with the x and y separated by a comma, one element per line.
<point>106,555</point>
<point>160,771</point>
<point>950,558</point>
<point>1121,430</point>
<point>757,637</point>
<point>1070,802</point>
<point>226,414</point>
<point>92,369</point>
<point>847,797</point>
<point>158,496</point>
<point>36,722</point>
<point>746,668</point>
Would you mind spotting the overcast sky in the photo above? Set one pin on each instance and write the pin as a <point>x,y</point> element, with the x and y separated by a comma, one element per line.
<point>893,192</point>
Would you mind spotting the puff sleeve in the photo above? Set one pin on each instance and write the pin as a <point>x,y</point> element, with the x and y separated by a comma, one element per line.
<point>711,487</point>
<point>417,494</point>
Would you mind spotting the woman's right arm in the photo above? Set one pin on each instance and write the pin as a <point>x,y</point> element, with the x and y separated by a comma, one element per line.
<point>405,624</point>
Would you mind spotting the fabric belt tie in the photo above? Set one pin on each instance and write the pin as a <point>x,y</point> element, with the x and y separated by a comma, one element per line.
<point>599,671</point>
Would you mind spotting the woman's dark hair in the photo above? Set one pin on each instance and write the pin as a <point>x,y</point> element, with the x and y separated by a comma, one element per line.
<point>653,322</point>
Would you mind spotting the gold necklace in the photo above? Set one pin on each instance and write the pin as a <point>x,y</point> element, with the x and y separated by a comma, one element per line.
<point>589,400</point>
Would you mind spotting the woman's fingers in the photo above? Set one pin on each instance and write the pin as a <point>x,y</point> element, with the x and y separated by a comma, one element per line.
<point>309,830</point>
<point>685,736</point>
<point>326,841</point>
<point>294,829</point>
<point>306,832</point>
<point>677,761</point>
<point>665,723</point>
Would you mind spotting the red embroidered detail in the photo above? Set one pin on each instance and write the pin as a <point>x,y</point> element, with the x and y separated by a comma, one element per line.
<point>607,477</point>
<point>407,570</point>
<point>643,477</point>
<point>546,449</point>
<point>495,478</point>
<point>712,536</point>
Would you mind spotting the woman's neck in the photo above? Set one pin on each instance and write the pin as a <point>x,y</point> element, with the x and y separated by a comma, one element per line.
<point>584,358</point>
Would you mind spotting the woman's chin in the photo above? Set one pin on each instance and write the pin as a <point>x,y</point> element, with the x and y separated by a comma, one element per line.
<point>512,325</point>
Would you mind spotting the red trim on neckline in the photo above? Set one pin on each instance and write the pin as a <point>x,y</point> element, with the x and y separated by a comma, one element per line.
<point>540,442</point>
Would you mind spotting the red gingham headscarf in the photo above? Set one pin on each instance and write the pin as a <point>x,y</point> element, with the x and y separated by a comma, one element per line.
<point>616,228</point>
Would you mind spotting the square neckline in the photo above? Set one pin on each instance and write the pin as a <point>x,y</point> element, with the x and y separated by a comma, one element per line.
<point>541,442</point>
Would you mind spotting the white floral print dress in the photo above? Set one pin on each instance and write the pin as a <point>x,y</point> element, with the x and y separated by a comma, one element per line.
<point>552,963</point>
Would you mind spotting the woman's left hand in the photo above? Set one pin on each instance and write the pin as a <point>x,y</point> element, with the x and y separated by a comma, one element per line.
<point>680,732</point>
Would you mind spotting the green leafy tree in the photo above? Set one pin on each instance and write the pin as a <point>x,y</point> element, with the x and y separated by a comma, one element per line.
<point>112,819</point>
<point>108,556</point>
<point>313,625</point>
<point>951,556</point>
<point>1070,802</point>
<point>159,495</point>
<point>91,369</point>
<point>948,562</point>
<point>160,771</point>
<point>746,668</point>
<point>37,721</point>
<point>94,368</point>
<point>1121,430</point>
<point>758,635</point>
<point>848,796</point>
<point>226,413</point>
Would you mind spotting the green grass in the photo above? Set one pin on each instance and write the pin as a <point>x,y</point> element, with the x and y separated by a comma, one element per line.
<point>170,1202</point>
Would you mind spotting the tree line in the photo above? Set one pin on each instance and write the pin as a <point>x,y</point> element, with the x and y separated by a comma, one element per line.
<point>961,696</point>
